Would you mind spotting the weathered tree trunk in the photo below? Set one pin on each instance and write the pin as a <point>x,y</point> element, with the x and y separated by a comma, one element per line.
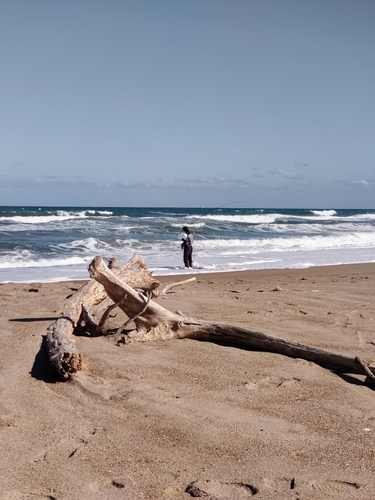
<point>62,353</point>
<point>157,323</point>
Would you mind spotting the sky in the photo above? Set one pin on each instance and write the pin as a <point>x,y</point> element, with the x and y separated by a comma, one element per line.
<point>189,103</point>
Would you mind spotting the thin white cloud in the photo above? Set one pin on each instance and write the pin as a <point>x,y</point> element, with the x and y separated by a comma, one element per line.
<point>287,174</point>
<point>239,182</point>
<point>361,182</point>
<point>211,180</point>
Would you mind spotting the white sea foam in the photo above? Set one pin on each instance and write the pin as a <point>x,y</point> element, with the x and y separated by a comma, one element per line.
<point>340,227</point>
<point>318,215</point>
<point>29,262</point>
<point>361,217</point>
<point>58,244</point>
<point>101,212</point>
<point>347,240</point>
<point>324,213</point>
<point>246,219</point>
<point>88,244</point>
<point>43,219</point>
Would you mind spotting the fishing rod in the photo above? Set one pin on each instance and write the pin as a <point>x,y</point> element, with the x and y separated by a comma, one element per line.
<point>218,208</point>
<point>211,211</point>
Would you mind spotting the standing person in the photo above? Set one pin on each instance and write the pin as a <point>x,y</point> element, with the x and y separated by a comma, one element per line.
<point>187,246</point>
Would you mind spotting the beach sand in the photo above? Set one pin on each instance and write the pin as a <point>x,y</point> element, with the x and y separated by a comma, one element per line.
<point>184,419</point>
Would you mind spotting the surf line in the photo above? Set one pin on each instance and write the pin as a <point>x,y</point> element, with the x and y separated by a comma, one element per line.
<point>195,219</point>
<point>217,208</point>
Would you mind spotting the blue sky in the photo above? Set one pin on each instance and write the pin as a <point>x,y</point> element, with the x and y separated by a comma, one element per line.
<point>267,103</point>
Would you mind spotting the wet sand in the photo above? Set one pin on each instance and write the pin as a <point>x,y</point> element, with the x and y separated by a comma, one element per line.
<point>184,419</point>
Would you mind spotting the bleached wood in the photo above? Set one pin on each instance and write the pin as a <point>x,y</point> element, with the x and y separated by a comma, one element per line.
<point>157,323</point>
<point>62,353</point>
<point>173,285</point>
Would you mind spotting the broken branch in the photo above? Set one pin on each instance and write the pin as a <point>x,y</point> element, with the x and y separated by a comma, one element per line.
<point>157,323</point>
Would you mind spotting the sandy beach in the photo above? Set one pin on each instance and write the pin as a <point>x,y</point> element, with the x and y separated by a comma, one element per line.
<point>182,419</point>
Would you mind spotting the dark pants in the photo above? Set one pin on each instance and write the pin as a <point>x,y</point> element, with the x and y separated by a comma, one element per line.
<point>188,256</point>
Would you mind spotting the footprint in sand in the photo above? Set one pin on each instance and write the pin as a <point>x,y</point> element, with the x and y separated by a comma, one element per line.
<point>105,388</point>
<point>221,491</point>
<point>121,388</point>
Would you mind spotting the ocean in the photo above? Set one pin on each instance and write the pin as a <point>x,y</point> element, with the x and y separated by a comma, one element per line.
<point>45,244</point>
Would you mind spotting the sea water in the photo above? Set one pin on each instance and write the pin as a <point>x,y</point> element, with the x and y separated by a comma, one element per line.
<point>44,244</point>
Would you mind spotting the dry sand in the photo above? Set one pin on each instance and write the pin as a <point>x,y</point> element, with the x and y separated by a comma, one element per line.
<point>182,418</point>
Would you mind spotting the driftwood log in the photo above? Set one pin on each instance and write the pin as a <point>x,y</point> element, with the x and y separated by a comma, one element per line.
<point>62,353</point>
<point>154,322</point>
